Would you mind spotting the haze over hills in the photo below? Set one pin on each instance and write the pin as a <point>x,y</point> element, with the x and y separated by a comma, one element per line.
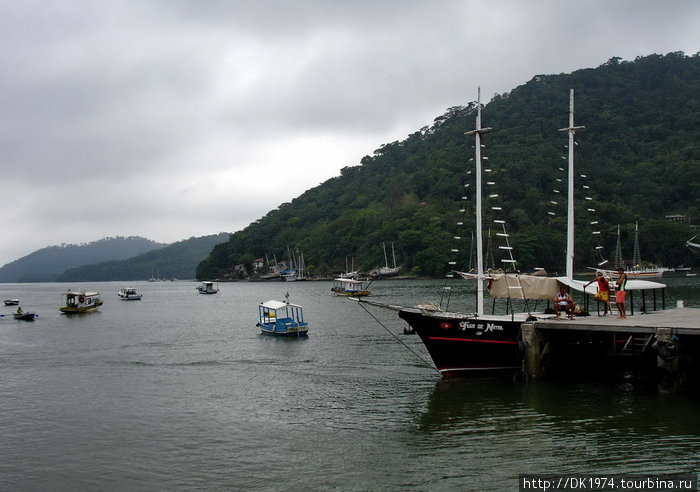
<point>639,153</point>
<point>47,264</point>
<point>178,260</point>
<point>112,259</point>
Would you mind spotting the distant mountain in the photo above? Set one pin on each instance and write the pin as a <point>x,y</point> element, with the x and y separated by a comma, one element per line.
<point>47,264</point>
<point>639,151</point>
<point>177,260</point>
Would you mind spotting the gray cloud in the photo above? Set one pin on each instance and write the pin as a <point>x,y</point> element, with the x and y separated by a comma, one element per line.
<point>149,113</point>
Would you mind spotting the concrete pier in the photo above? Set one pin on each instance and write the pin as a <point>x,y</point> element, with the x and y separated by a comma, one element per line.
<point>663,345</point>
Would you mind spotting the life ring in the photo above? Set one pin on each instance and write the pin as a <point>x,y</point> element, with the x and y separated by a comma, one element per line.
<point>81,299</point>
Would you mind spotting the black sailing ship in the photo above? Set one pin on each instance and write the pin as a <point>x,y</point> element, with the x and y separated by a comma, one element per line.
<point>467,343</point>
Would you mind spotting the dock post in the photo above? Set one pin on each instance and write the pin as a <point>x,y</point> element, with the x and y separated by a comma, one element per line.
<point>671,378</point>
<point>531,337</point>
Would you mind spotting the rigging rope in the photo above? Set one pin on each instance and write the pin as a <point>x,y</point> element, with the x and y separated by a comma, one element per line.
<point>427,364</point>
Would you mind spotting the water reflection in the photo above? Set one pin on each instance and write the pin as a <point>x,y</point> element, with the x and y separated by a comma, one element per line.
<point>576,428</point>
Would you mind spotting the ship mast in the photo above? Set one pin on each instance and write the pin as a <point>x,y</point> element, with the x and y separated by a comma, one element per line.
<point>636,256</point>
<point>571,129</point>
<point>479,232</point>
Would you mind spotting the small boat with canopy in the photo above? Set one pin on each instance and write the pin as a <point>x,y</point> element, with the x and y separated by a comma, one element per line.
<point>207,287</point>
<point>81,302</point>
<point>129,294</point>
<point>282,318</point>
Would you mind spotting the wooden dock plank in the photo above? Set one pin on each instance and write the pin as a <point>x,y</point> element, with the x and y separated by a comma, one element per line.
<point>684,321</point>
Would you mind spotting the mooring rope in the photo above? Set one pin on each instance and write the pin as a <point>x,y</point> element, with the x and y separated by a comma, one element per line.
<point>427,364</point>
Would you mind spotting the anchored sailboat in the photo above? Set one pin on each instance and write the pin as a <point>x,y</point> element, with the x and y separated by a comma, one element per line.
<point>462,343</point>
<point>386,270</point>
<point>638,269</point>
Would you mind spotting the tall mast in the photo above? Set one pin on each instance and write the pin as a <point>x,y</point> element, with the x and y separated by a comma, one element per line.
<point>479,233</point>
<point>570,196</point>
<point>636,256</point>
<point>618,250</point>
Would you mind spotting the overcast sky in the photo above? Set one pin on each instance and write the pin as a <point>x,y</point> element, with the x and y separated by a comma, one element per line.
<point>176,118</point>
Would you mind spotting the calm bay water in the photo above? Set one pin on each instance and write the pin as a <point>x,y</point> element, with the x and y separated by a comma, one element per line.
<point>180,391</point>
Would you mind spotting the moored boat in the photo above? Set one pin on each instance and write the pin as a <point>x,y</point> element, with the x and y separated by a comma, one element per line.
<point>461,343</point>
<point>349,287</point>
<point>282,318</point>
<point>11,302</point>
<point>639,268</point>
<point>638,272</point>
<point>129,294</point>
<point>386,270</point>
<point>207,288</point>
<point>465,343</point>
<point>81,302</point>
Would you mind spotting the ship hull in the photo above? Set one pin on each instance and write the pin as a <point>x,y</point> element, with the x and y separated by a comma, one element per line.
<point>462,345</point>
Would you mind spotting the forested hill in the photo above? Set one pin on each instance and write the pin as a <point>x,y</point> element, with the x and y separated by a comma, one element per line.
<point>639,152</point>
<point>46,264</point>
<point>178,260</point>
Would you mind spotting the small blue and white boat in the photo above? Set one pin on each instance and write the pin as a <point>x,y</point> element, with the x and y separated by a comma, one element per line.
<point>282,318</point>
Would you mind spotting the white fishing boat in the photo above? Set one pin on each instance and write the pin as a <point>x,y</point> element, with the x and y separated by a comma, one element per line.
<point>207,287</point>
<point>80,302</point>
<point>129,294</point>
<point>343,286</point>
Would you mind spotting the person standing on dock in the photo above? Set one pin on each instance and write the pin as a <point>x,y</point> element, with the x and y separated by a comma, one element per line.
<point>603,294</point>
<point>621,293</point>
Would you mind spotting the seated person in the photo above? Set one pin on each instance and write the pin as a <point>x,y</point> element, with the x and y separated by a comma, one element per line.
<point>564,302</point>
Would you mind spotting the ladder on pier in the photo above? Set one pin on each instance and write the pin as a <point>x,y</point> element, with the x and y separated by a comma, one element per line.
<point>637,344</point>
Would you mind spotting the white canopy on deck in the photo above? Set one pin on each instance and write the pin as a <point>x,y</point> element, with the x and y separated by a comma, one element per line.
<point>275,305</point>
<point>516,286</point>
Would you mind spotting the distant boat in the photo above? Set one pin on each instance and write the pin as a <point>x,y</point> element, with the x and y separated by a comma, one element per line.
<point>81,302</point>
<point>282,318</point>
<point>350,272</point>
<point>350,287</point>
<point>28,316</point>
<point>691,244</point>
<point>11,302</point>
<point>295,271</point>
<point>386,270</point>
<point>207,288</point>
<point>129,294</point>
<point>21,315</point>
<point>639,269</point>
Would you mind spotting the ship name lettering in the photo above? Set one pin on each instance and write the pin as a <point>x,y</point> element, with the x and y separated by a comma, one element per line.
<point>485,327</point>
